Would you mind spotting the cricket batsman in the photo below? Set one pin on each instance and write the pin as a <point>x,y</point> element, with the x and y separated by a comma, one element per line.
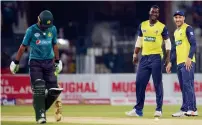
<point>44,63</point>
<point>151,34</point>
<point>184,52</point>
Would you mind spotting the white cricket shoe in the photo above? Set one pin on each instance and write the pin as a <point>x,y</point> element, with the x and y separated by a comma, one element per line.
<point>41,121</point>
<point>179,114</point>
<point>133,113</point>
<point>191,113</point>
<point>157,114</point>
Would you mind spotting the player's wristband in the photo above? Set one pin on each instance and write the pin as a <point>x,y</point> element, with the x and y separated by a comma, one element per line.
<point>16,62</point>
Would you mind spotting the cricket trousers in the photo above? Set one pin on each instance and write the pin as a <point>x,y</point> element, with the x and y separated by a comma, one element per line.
<point>186,80</point>
<point>43,69</point>
<point>149,65</point>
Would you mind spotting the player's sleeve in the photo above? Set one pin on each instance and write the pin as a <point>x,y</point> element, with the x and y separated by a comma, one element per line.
<point>54,41</point>
<point>165,34</point>
<point>173,53</point>
<point>27,37</point>
<point>139,31</point>
<point>192,41</point>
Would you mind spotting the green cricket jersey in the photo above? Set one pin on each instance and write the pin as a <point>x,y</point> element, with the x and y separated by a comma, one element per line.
<point>40,42</point>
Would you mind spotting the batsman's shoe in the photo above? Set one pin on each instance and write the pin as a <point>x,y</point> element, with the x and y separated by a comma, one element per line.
<point>191,113</point>
<point>157,114</point>
<point>41,121</point>
<point>134,112</point>
<point>58,111</point>
<point>179,114</point>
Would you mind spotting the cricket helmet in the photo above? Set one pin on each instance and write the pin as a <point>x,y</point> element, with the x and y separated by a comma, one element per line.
<point>45,19</point>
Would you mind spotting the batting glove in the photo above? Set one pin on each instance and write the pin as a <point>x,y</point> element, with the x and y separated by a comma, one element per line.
<point>14,66</point>
<point>58,65</point>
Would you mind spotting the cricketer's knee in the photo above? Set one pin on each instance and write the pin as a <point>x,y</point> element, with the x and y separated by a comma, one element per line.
<point>39,87</point>
<point>59,97</point>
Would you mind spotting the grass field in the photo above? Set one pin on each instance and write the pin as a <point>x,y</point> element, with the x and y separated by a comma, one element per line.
<point>96,115</point>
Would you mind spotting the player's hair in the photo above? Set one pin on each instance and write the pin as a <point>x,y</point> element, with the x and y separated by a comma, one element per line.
<point>155,6</point>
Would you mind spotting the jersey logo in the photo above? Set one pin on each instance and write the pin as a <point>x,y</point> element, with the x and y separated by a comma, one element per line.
<point>149,39</point>
<point>191,33</point>
<point>38,42</point>
<point>156,32</point>
<point>143,31</point>
<point>37,35</point>
<point>49,34</point>
<point>43,42</point>
<point>179,42</point>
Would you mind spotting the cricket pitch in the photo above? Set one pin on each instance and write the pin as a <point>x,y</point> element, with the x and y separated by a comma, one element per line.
<point>109,121</point>
<point>96,115</point>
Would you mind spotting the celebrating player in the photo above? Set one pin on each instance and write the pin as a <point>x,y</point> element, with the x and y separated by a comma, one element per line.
<point>44,63</point>
<point>185,53</point>
<point>151,34</point>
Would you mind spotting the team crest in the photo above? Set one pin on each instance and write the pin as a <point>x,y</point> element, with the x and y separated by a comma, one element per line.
<point>143,31</point>
<point>38,42</point>
<point>48,22</point>
<point>37,35</point>
<point>156,32</point>
<point>49,34</point>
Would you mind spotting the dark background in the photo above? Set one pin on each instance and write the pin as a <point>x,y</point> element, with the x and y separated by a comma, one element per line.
<point>117,22</point>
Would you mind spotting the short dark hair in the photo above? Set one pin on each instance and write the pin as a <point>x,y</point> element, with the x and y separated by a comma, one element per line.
<point>155,6</point>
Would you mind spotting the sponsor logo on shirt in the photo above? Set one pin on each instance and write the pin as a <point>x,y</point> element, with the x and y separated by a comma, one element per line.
<point>179,42</point>
<point>149,39</point>
<point>43,42</point>
<point>37,35</point>
<point>38,42</point>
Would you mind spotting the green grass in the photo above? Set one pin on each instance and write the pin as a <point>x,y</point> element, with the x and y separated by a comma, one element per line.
<point>85,111</point>
<point>91,111</point>
<point>33,123</point>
